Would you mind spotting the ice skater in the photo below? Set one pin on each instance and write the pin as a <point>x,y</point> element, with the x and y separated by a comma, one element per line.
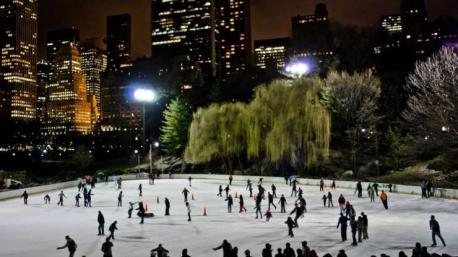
<point>299,211</point>
<point>161,251</point>
<point>220,191</point>
<point>330,204</point>
<point>185,193</point>
<point>251,190</point>
<point>384,198</point>
<point>101,221</point>
<point>227,189</point>
<point>80,185</point>
<point>274,190</point>
<point>89,198</point>
<point>242,204</point>
<point>294,188</point>
<point>140,190</point>
<point>77,200</point>
<point>70,244</point>
<point>343,226</point>
<point>47,199</point>
<point>282,203</point>
<point>248,184</point>
<point>375,187</point>
<point>141,212</point>
<point>365,226</point>
<point>324,200</point>
<point>359,189</point>
<point>354,229</point>
<point>61,198</point>
<point>341,201</point>
<point>270,197</point>
<point>112,229</point>
<point>258,206</point>
<point>119,182</point>
<point>371,193</point>
<point>106,248</point>
<point>230,202</point>
<point>167,206</point>
<point>188,207</point>
<point>227,248</point>
<point>260,181</point>
<point>25,195</point>
<point>321,185</point>
<point>131,209</point>
<point>300,193</point>
<point>333,185</point>
<point>268,215</point>
<point>230,179</point>
<point>189,179</point>
<point>436,231</point>
<point>360,225</point>
<point>120,196</point>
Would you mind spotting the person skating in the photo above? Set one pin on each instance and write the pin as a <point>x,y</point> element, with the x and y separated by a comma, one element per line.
<point>359,226</point>
<point>299,192</point>
<point>436,231</point>
<point>189,179</point>
<point>343,226</point>
<point>299,211</point>
<point>267,251</point>
<point>288,251</point>
<point>359,188</point>
<point>365,226</point>
<point>270,197</point>
<point>61,198</point>
<point>150,178</point>
<point>220,191</point>
<point>291,224</point>
<point>341,201</point>
<point>227,248</point>
<point>25,195</point>
<point>354,229</point>
<point>120,199</point>
<point>384,198</point>
<point>242,204</point>
<point>294,188</point>
<point>189,211</point>
<point>282,203</point>
<point>140,190</point>
<point>321,184</point>
<point>333,185</point>
<point>371,192</point>
<point>167,207</point>
<point>301,202</point>
<point>131,209</point>
<point>230,179</point>
<point>260,181</point>
<point>89,198</point>
<point>227,189</point>
<point>375,187</point>
<point>258,206</point>
<point>85,196</point>
<point>77,200</point>
<point>261,191</point>
<point>423,190</point>
<point>330,203</point>
<point>324,200</point>
<point>268,215</point>
<point>279,253</point>
<point>230,202</point>
<point>47,199</point>
<point>101,221</point>
<point>80,185</point>
<point>251,190</point>
<point>70,244</point>
<point>305,249</point>
<point>160,250</point>
<point>184,253</point>
<point>141,212</point>
<point>274,190</point>
<point>119,182</point>
<point>106,248</point>
<point>112,229</point>
<point>248,184</point>
<point>429,188</point>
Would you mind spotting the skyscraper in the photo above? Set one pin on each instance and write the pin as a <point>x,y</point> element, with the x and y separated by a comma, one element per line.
<point>118,42</point>
<point>69,110</point>
<point>272,53</point>
<point>93,63</point>
<point>18,49</point>
<point>59,38</point>
<point>234,23</point>
<point>189,29</point>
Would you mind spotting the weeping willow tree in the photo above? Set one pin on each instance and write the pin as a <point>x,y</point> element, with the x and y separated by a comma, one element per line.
<point>286,121</point>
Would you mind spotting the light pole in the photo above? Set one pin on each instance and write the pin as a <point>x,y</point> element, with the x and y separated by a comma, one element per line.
<point>144,96</point>
<point>297,69</point>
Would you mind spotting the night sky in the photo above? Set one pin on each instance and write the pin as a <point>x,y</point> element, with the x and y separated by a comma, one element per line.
<point>270,18</point>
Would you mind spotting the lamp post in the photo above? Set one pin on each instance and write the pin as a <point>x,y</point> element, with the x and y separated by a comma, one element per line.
<point>144,96</point>
<point>297,69</point>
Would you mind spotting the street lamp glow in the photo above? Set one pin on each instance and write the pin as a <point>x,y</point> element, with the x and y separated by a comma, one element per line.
<point>156,144</point>
<point>297,69</point>
<point>144,95</point>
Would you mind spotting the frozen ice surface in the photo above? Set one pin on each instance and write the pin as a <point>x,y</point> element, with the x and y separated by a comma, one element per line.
<point>37,229</point>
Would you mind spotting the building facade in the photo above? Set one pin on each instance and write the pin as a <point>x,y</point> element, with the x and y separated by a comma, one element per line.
<point>272,53</point>
<point>118,41</point>
<point>18,56</point>
<point>93,64</point>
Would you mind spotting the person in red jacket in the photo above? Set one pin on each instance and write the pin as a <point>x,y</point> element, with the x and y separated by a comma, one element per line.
<point>384,198</point>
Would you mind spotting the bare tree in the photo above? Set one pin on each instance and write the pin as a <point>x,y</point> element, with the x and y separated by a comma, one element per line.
<point>432,107</point>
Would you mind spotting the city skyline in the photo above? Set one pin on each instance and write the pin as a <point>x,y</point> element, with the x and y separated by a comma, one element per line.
<point>267,22</point>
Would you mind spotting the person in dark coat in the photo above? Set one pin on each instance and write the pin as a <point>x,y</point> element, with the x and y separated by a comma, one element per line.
<point>230,179</point>
<point>112,229</point>
<point>299,210</point>
<point>359,188</point>
<point>227,189</point>
<point>291,224</point>
<point>120,199</point>
<point>77,200</point>
<point>416,252</point>
<point>101,221</point>
<point>270,197</point>
<point>250,188</point>
<point>242,204</point>
<point>140,190</point>
<point>330,203</point>
<point>324,200</point>
<point>279,253</point>
<point>343,226</point>
<point>258,206</point>
<point>25,195</point>
<point>160,250</point>
<point>267,251</point>
<point>375,186</point>
<point>342,253</point>
<point>288,251</point>
<point>294,188</point>
<point>235,252</point>
<point>220,191</point>
<point>333,185</point>
<point>282,203</point>
<point>167,207</point>
<point>247,253</point>
<point>70,244</point>
<point>436,231</point>
<point>48,199</point>
<point>305,249</point>
<point>230,202</point>
<point>354,229</point>
<point>365,226</point>
<point>274,190</point>
<point>131,208</point>
<point>61,198</point>
<point>184,253</point>
<point>106,248</point>
<point>189,179</point>
<point>321,184</point>
<point>185,193</point>
<point>141,212</point>
<point>359,226</point>
<point>188,207</point>
<point>227,248</point>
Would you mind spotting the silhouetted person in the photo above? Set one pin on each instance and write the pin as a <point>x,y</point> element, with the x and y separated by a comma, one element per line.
<point>343,226</point>
<point>61,198</point>
<point>189,179</point>
<point>167,207</point>
<point>288,251</point>
<point>341,253</point>
<point>270,197</point>
<point>330,203</point>
<point>25,195</point>
<point>282,203</point>
<point>230,179</point>
<point>354,229</point>
<point>77,200</point>
<point>227,189</point>
<point>220,191</point>
<point>291,224</point>
<point>101,221</point>
<point>120,199</point>
<point>227,248</point>
<point>131,208</point>
<point>321,184</point>
<point>230,202</point>
<point>70,244</point>
<point>279,253</point>
<point>47,199</point>
<point>436,231</point>
<point>140,190</point>
<point>365,226</point>
<point>274,190</point>
<point>141,212</point>
<point>242,204</point>
<point>267,251</point>
<point>189,211</point>
<point>160,250</point>
<point>184,253</point>
<point>185,193</point>
<point>112,229</point>
<point>106,248</point>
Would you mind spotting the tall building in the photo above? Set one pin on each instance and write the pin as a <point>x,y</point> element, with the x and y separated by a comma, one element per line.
<point>391,24</point>
<point>272,53</point>
<point>311,35</point>
<point>69,110</point>
<point>93,64</point>
<point>59,38</point>
<point>234,24</point>
<point>414,17</point>
<point>18,55</point>
<point>118,42</point>
<point>189,29</point>
<point>43,71</point>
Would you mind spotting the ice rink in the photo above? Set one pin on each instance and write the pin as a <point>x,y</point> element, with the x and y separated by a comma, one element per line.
<point>37,229</point>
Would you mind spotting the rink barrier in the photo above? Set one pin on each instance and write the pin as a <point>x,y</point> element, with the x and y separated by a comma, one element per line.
<point>240,180</point>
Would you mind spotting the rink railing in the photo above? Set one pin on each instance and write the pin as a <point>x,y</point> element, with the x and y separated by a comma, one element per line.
<point>240,179</point>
